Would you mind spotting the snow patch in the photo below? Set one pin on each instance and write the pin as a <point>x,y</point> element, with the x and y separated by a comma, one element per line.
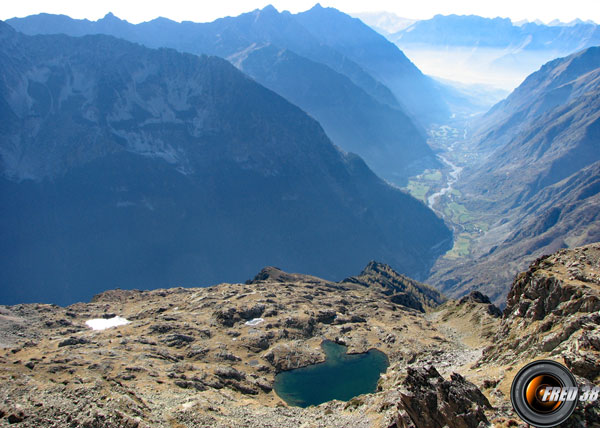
<point>103,324</point>
<point>188,405</point>
<point>254,321</point>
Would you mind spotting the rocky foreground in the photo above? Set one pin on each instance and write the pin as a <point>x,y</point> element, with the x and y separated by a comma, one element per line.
<point>202,357</point>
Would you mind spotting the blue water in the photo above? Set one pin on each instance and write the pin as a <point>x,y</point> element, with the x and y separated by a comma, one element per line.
<point>340,377</point>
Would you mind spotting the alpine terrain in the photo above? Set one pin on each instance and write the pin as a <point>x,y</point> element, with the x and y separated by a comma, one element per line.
<point>132,167</point>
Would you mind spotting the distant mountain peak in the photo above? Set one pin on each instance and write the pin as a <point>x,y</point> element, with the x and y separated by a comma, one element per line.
<point>111,19</point>
<point>163,20</point>
<point>268,12</point>
<point>375,267</point>
<point>269,9</point>
<point>326,11</point>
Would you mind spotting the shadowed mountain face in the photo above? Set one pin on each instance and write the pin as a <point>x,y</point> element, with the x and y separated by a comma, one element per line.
<point>126,166</point>
<point>539,189</point>
<point>384,136</point>
<point>381,58</point>
<point>288,54</point>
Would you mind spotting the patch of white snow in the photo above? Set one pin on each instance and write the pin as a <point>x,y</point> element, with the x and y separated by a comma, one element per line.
<point>103,324</point>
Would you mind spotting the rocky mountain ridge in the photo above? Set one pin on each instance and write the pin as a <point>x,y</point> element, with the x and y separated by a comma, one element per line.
<point>189,357</point>
<point>472,30</point>
<point>548,315</point>
<point>401,289</point>
<point>289,54</point>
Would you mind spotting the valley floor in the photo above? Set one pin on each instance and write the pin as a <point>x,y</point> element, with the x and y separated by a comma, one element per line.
<point>437,188</point>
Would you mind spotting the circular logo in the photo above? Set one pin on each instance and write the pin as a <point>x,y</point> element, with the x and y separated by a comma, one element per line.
<point>544,393</point>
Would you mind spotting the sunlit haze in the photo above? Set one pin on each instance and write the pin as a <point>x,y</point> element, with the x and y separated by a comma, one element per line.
<point>202,11</point>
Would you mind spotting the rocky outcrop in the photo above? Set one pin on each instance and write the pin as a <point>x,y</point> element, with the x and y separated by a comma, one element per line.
<point>478,297</point>
<point>582,356</point>
<point>408,300</point>
<point>292,356</point>
<point>535,296</point>
<point>274,274</point>
<point>552,310</point>
<point>228,317</point>
<point>72,341</point>
<point>430,401</point>
<point>400,289</point>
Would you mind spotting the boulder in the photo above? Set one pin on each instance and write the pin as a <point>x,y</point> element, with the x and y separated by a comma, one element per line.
<point>72,341</point>
<point>178,340</point>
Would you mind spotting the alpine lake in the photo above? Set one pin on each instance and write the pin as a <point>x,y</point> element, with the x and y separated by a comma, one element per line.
<point>341,376</point>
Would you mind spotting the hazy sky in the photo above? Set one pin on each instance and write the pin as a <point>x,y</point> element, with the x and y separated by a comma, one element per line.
<point>202,10</point>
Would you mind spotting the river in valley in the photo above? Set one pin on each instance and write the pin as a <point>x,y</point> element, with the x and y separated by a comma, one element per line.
<point>452,176</point>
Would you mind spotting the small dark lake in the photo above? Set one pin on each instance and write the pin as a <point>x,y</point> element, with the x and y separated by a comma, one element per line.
<point>340,377</point>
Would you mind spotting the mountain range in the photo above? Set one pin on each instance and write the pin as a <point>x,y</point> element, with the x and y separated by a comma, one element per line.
<point>385,23</point>
<point>388,23</point>
<point>367,95</point>
<point>494,52</point>
<point>136,167</point>
<point>472,30</point>
<point>539,141</point>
